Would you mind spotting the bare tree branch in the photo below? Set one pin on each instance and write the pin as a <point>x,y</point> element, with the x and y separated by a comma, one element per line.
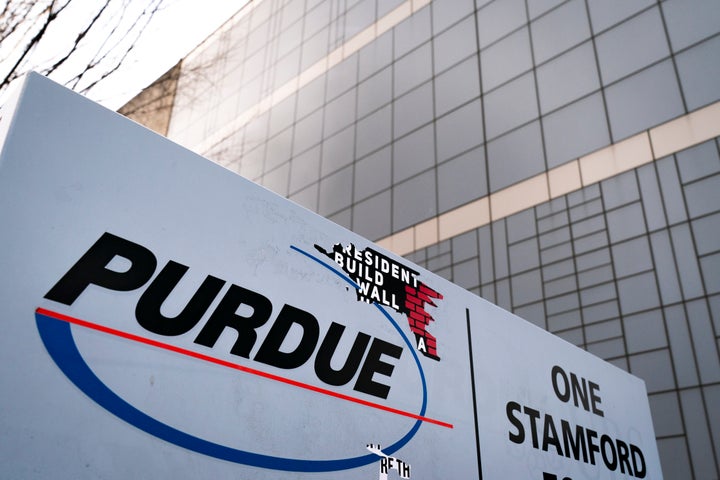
<point>77,41</point>
<point>99,58</point>
<point>12,74</point>
<point>85,57</point>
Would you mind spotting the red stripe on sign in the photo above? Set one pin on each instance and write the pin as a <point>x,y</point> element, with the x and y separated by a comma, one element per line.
<point>235,366</point>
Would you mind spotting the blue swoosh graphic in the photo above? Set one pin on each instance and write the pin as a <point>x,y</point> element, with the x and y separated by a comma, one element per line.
<point>59,341</point>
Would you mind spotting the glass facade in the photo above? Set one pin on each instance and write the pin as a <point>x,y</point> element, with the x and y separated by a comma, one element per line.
<point>558,158</point>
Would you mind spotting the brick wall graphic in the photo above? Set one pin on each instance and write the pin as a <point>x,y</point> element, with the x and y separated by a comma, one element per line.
<point>382,280</point>
<point>419,318</point>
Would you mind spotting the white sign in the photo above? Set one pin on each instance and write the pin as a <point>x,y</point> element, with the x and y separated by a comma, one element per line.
<point>164,317</point>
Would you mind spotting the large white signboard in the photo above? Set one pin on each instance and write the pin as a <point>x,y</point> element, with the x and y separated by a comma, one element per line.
<point>165,318</point>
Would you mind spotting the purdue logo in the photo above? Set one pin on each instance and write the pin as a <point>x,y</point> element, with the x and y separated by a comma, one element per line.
<point>290,338</point>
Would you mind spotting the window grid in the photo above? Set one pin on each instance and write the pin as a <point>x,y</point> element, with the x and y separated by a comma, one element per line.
<point>572,285</point>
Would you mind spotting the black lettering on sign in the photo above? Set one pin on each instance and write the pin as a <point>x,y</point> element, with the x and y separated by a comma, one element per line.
<point>148,307</point>
<point>290,341</point>
<point>582,391</point>
<point>326,353</point>
<point>575,442</point>
<point>225,315</point>
<point>552,476</point>
<point>374,364</point>
<point>270,351</point>
<point>92,269</point>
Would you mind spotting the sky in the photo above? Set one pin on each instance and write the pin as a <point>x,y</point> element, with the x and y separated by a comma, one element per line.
<point>172,33</point>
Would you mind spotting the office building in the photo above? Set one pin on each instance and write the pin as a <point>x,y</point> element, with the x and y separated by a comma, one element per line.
<point>558,158</point>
